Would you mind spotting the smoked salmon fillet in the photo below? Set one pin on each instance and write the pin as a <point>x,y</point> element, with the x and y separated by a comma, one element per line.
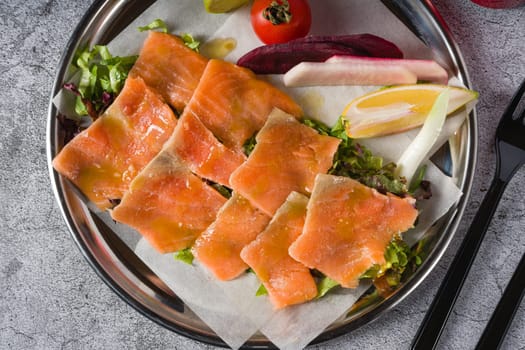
<point>287,281</point>
<point>168,205</point>
<point>202,152</point>
<point>103,159</point>
<point>233,104</point>
<point>219,247</point>
<point>287,157</point>
<point>169,67</point>
<point>348,227</point>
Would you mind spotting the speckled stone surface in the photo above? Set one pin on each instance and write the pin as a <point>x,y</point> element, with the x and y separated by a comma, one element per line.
<point>51,299</point>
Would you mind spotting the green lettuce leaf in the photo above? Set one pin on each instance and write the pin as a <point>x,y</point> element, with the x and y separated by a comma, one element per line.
<point>190,42</point>
<point>261,291</point>
<point>184,255</point>
<point>372,272</point>
<point>400,261</point>
<point>223,190</point>
<point>325,285</point>
<point>249,145</point>
<point>157,24</point>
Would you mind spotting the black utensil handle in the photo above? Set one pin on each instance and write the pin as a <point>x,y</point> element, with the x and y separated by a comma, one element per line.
<point>430,330</point>
<point>501,319</point>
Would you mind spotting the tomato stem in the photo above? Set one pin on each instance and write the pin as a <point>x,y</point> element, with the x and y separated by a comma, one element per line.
<point>278,13</point>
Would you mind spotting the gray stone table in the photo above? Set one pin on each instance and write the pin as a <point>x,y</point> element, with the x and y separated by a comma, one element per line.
<point>51,299</point>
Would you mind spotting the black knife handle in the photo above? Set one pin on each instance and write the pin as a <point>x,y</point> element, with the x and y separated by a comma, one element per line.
<point>434,322</point>
<point>501,319</point>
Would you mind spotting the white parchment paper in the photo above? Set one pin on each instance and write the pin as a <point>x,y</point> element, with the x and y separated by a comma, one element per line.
<point>202,295</point>
<point>231,309</point>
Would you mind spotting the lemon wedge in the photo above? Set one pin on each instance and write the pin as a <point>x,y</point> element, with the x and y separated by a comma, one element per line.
<point>399,108</point>
<point>222,6</point>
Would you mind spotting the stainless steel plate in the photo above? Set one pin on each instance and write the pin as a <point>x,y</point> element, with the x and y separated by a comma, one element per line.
<point>118,266</point>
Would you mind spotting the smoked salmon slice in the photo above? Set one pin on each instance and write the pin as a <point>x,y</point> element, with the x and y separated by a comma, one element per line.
<point>348,227</point>
<point>287,157</point>
<point>169,67</point>
<point>202,152</point>
<point>287,281</point>
<point>167,204</point>
<point>233,104</point>
<point>219,247</point>
<point>103,159</point>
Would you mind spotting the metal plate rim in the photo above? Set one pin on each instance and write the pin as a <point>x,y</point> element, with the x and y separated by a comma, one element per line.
<point>99,7</point>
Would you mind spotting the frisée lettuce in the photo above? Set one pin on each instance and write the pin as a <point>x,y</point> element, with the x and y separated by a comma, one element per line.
<point>357,162</point>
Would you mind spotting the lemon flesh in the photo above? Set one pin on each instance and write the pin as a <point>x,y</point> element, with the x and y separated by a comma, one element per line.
<point>399,108</point>
<point>222,6</point>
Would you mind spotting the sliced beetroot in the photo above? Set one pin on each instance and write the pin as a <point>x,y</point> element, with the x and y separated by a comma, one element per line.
<point>345,73</point>
<point>279,58</point>
<point>368,44</point>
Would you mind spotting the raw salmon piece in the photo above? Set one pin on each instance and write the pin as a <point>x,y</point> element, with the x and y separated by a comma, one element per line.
<point>234,104</point>
<point>103,159</point>
<point>168,205</point>
<point>169,67</point>
<point>348,227</point>
<point>202,152</point>
<point>287,281</point>
<point>219,247</point>
<point>287,157</point>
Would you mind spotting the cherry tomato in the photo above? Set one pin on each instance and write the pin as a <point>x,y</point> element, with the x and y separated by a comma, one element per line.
<point>279,21</point>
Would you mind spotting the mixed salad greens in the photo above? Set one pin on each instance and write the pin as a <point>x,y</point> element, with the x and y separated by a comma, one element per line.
<point>102,75</point>
<point>356,161</point>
